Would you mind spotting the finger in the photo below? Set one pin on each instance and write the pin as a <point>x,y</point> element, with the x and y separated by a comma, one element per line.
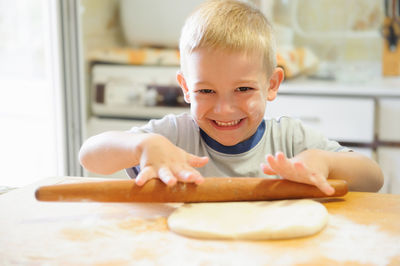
<point>196,161</point>
<point>271,161</point>
<point>284,162</point>
<point>166,176</point>
<point>145,175</point>
<point>199,180</point>
<point>196,177</point>
<point>185,174</point>
<point>280,154</point>
<point>282,166</point>
<point>274,166</point>
<point>324,186</point>
<point>317,180</point>
<point>303,173</point>
<point>313,179</point>
<point>267,169</point>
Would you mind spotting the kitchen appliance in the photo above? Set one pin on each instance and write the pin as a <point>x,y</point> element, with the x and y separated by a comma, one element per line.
<point>138,16</point>
<point>135,91</point>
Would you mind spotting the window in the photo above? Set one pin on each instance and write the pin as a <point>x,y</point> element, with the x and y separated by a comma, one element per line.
<point>31,135</point>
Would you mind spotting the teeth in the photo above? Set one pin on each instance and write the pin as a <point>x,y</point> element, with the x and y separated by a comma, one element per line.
<point>227,124</point>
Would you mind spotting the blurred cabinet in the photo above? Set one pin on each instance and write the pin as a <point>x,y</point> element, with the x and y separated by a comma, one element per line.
<point>389,160</point>
<point>389,143</point>
<point>339,118</point>
<point>389,120</point>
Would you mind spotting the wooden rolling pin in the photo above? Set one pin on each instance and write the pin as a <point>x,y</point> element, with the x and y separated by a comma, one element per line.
<point>213,189</point>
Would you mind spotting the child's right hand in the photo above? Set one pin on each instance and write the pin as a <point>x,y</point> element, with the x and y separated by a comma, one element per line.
<point>161,159</point>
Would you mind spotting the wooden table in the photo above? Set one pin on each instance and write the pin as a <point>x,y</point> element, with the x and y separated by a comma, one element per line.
<point>364,228</point>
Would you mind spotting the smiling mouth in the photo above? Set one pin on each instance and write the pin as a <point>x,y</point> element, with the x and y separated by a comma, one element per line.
<point>227,124</point>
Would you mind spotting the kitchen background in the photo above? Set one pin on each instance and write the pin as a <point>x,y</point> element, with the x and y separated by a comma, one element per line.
<point>118,60</point>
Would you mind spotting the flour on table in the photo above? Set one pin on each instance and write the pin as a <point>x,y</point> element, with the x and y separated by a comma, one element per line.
<point>137,234</point>
<point>365,244</point>
<point>249,220</point>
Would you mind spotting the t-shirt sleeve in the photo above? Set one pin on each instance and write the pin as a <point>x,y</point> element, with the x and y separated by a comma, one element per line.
<point>306,137</point>
<point>166,126</point>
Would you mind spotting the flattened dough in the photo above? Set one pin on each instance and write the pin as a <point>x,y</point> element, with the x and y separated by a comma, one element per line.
<point>249,220</point>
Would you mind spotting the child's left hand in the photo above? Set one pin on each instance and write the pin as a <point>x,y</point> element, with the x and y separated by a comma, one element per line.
<point>305,168</point>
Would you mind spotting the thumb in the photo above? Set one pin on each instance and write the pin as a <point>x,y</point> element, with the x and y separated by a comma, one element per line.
<point>196,161</point>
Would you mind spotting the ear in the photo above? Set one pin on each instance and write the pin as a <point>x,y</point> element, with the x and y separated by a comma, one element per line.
<point>274,83</point>
<point>182,83</point>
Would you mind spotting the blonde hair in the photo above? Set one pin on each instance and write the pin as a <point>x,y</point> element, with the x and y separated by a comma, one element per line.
<point>228,25</point>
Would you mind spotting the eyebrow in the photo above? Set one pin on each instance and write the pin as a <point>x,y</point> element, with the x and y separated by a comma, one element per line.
<point>246,81</point>
<point>235,83</point>
<point>203,83</point>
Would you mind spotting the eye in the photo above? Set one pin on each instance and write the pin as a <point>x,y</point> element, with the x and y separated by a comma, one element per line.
<point>244,89</point>
<point>205,91</point>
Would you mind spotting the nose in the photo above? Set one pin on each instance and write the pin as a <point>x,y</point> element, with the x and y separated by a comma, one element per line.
<point>224,105</point>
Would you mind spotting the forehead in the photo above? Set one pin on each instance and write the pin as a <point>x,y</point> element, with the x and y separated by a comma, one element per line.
<point>204,62</point>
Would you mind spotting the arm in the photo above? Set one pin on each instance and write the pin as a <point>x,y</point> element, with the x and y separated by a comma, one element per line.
<point>112,151</point>
<point>315,166</point>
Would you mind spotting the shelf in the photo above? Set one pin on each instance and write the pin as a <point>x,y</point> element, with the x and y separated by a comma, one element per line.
<point>133,112</point>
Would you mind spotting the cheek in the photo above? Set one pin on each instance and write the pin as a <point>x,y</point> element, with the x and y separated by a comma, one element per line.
<point>256,108</point>
<point>198,108</point>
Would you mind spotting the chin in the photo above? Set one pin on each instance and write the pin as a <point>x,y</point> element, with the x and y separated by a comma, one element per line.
<point>228,142</point>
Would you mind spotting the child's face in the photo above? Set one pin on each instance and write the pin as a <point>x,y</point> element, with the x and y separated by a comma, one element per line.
<point>227,92</point>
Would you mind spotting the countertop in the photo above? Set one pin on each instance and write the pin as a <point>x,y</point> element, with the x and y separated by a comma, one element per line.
<point>364,228</point>
<point>376,87</point>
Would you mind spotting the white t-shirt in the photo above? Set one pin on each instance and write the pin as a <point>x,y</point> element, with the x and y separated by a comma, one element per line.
<point>285,134</point>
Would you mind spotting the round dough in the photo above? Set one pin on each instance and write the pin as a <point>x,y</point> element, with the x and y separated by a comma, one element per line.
<point>249,220</point>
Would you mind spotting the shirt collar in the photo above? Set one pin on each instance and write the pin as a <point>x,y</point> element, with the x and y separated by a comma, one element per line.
<point>241,147</point>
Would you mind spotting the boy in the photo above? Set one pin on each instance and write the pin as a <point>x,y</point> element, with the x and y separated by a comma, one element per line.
<point>228,73</point>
